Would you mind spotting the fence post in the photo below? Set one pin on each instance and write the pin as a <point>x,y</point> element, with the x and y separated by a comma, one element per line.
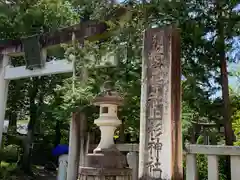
<point>62,168</point>
<point>132,159</point>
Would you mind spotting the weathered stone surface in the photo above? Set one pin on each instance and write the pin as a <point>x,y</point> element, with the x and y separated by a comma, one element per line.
<point>32,52</point>
<point>107,158</point>
<point>105,171</point>
<point>64,35</point>
<point>90,30</point>
<point>78,128</point>
<point>89,173</point>
<point>160,126</point>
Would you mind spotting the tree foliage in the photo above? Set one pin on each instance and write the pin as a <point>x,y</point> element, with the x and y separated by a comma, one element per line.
<point>206,32</point>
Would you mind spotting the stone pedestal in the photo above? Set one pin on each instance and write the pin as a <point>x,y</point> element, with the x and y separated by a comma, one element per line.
<point>107,164</point>
<point>89,173</point>
<point>107,158</point>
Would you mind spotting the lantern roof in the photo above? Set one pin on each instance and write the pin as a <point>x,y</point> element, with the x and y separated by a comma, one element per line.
<point>108,95</point>
<point>108,99</point>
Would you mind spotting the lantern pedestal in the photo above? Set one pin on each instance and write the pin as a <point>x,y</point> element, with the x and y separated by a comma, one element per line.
<point>104,174</point>
<point>107,158</point>
<point>107,164</point>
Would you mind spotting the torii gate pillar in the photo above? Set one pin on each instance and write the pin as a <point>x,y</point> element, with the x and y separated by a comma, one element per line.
<point>160,151</point>
<point>4,60</point>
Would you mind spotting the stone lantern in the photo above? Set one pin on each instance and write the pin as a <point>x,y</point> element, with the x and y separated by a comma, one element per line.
<point>106,161</point>
<point>108,120</point>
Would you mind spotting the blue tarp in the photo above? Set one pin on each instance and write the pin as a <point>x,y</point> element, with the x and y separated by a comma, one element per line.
<point>60,150</point>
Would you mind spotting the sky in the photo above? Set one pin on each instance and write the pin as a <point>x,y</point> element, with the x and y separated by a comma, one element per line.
<point>233,80</point>
<point>235,66</point>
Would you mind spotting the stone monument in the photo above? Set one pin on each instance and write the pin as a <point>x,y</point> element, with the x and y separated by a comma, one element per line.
<point>106,161</point>
<point>160,149</point>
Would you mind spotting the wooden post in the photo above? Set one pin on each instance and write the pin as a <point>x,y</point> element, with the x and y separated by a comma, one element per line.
<point>74,145</point>
<point>160,151</point>
<point>3,92</point>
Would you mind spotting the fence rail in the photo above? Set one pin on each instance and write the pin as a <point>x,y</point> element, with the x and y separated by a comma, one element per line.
<point>212,152</point>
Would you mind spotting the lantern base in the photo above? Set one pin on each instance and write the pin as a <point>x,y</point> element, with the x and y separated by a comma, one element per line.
<point>89,173</point>
<point>106,158</point>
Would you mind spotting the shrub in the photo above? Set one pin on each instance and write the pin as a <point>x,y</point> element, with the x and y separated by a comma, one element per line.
<point>9,154</point>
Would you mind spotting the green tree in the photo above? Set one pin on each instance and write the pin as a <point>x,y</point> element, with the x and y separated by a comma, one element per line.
<point>22,19</point>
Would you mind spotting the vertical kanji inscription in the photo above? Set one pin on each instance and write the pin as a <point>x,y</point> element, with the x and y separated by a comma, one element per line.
<point>159,136</point>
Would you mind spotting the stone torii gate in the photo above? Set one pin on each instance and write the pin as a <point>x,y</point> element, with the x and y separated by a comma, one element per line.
<point>37,66</point>
<point>160,126</point>
<point>35,50</point>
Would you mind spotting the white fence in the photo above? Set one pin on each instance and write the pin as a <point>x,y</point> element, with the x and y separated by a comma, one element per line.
<point>212,152</point>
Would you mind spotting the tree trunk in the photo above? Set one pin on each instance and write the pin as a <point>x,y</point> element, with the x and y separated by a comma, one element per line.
<point>221,49</point>
<point>226,102</point>
<point>12,113</point>
<point>12,128</point>
<point>58,134</point>
<point>28,142</point>
<point>27,150</point>
<point>121,132</point>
